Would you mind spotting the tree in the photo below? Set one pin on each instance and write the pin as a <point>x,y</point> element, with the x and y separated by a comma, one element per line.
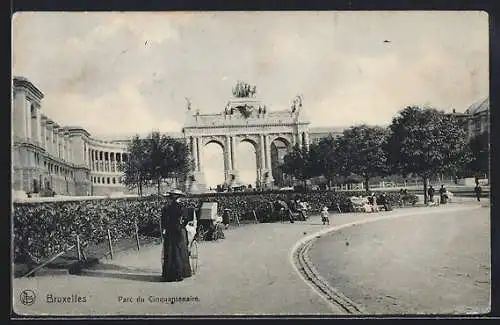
<point>332,158</point>
<point>479,147</point>
<point>425,141</point>
<point>134,168</point>
<point>166,158</point>
<point>154,159</point>
<point>363,152</point>
<point>302,163</point>
<point>178,162</point>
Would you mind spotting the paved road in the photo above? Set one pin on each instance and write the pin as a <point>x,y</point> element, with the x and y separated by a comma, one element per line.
<point>248,273</point>
<point>428,263</point>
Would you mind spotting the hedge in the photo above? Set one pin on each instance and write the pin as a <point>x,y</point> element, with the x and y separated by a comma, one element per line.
<point>44,229</point>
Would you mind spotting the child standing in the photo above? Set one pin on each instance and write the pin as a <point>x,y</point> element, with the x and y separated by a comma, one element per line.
<point>324,216</point>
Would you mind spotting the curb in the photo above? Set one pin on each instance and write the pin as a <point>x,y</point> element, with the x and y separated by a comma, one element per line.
<point>308,271</point>
<point>303,266</point>
<point>46,272</point>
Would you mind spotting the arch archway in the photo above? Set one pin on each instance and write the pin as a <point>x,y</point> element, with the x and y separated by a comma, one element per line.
<point>233,128</point>
<point>279,148</point>
<point>213,164</point>
<point>246,162</point>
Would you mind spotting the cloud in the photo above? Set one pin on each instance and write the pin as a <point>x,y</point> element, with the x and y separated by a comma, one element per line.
<point>125,72</point>
<point>385,84</point>
<point>119,112</point>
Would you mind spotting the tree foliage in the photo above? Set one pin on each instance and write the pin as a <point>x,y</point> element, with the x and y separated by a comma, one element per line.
<point>425,141</point>
<point>154,159</point>
<point>302,162</point>
<point>333,158</point>
<point>479,147</point>
<point>361,150</point>
<point>134,171</point>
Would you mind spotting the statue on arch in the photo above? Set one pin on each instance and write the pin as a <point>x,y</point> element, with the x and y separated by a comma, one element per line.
<point>188,103</point>
<point>296,103</point>
<point>244,90</point>
<point>253,91</point>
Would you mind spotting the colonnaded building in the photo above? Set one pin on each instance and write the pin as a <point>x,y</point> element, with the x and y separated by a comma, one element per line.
<point>69,161</point>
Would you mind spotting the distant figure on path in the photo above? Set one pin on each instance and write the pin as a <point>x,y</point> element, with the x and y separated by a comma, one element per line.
<point>430,192</point>
<point>324,216</point>
<point>442,194</point>
<point>402,195</point>
<point>375,203</point>
<point>175,255</point>
<point>478,191</point>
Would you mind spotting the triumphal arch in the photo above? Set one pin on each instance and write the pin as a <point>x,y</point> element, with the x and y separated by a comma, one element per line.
<point>244,118</point>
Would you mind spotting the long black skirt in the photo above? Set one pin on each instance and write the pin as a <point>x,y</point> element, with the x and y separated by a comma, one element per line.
<point>175,262</point>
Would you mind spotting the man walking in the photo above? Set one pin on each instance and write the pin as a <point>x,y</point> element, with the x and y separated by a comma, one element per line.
<point>478,191</point>
<point>430,192</point>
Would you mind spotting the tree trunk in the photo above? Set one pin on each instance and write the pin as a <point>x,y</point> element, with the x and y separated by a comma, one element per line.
<point>329,184</point>
<point>159,183</point>
<point>367,188</point>
<point>426,182</point>
<point>305,185</point>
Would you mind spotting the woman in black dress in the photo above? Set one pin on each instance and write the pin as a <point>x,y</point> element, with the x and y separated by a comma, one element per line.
<point>176,265</point>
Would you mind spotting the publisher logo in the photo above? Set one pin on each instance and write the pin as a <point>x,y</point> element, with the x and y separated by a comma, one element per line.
<point>27,297</point>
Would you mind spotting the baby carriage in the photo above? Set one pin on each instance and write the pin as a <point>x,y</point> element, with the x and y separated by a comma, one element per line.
<point>210,225</point>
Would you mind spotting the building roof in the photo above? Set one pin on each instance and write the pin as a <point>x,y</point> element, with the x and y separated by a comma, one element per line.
<point>20,81</point>
<point>322,130</point>
<point>479,106</point>
<point>127,137</point>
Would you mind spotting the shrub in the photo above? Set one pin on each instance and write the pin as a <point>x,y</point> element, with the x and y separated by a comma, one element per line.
<point>44,229</point>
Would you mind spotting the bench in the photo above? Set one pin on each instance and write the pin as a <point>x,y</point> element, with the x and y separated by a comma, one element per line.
<point>361,204</point>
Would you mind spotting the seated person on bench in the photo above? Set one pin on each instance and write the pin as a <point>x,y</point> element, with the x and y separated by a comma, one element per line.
<point>384,200</point>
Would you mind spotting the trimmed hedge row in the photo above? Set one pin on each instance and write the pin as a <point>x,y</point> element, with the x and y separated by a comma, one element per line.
<point>44,229</point>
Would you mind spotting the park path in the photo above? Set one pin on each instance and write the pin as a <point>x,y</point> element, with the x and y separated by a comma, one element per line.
<point>250,272</point>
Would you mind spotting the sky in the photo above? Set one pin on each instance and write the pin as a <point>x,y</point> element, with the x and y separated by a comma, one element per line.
<point>127,73</point>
